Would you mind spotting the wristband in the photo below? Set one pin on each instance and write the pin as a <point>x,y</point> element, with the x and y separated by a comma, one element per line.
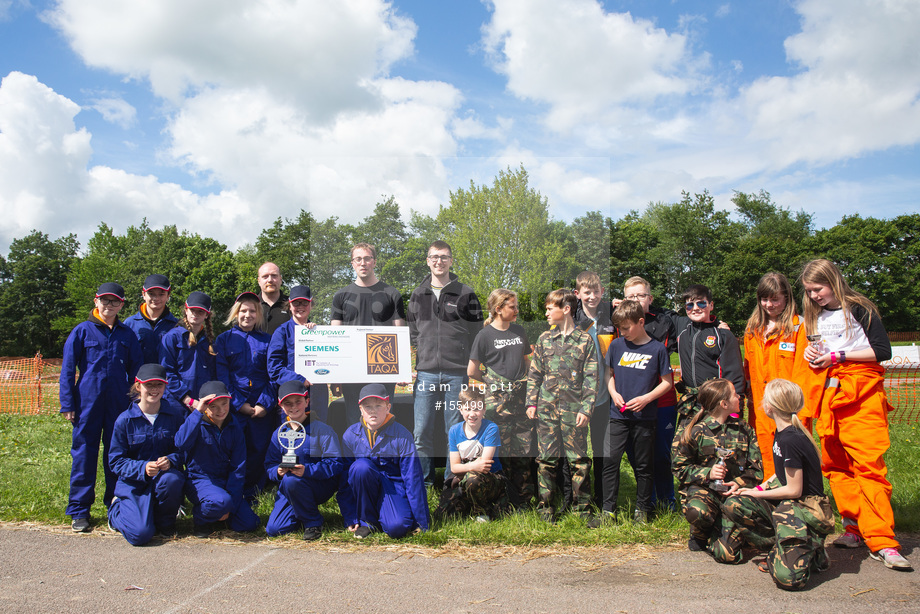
<point>190,403</point>
<point>843,356</point>
<point>833,358</point>
<point>758,487</point>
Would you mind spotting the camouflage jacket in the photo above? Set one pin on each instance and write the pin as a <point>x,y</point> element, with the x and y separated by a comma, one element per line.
<point>692,461</point>
<point>563,374</point>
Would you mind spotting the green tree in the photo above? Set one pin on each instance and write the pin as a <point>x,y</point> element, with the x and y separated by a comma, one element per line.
<point>502,236</point>
<point>35,271</point>
<point>287,244</point>
<point>590,236</point>
<point>331,264</point>
<point>633,239</point>
<point>881,259</point>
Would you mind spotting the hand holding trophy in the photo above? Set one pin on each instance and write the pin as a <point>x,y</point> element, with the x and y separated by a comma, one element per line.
<point>718,485</point>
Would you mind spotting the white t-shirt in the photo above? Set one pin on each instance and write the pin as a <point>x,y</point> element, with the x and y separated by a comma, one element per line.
<point>832,326</point>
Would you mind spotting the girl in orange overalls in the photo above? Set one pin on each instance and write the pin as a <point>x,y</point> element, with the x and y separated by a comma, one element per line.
<point>774,347</point>
<point>852,420</point>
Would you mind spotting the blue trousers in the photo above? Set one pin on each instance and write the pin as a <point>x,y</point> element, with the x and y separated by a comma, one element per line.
<point>432,387</point>
<point>211,501</point>
<point>297,503</point>
<point>381,503</point>
<point>91,428</point>
<point>258,433</point>
<point>139,512</point>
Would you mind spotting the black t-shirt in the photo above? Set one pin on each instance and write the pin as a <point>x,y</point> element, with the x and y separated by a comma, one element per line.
<point>377,305</point>
<point>502,351</point>
<point>793,449</point>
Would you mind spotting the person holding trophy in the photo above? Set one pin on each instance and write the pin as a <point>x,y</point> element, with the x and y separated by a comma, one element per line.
<point>305,461</point>
<point>716,454</point>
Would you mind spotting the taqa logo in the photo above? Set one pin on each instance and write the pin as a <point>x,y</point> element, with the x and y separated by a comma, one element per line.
<point>322,371</point>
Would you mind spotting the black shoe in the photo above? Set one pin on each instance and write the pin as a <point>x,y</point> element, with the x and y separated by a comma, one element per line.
<point>362,532</point>
<point>311,534</point>
<point>203,531</point>
<point>167,532</point>
<point>81,525</point>
<point>697,545</point>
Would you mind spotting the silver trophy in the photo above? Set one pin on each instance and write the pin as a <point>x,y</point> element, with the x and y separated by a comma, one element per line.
<point>815,342</point>
<point>293,433</point>
<point>719,485</point>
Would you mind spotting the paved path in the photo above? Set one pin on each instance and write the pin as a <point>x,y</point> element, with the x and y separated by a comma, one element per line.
<point>49,569</point>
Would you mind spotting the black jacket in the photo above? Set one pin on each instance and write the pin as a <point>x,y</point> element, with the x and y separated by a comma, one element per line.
<point>708,352</point>
<point>442,329</point>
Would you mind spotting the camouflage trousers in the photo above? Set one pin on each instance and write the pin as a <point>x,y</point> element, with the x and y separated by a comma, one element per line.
<point>688,407</point>
<point>558,440</point>
<point>703,510</point>
<point>793,530</point>
<point>474,493</point>
<point>505,407</point>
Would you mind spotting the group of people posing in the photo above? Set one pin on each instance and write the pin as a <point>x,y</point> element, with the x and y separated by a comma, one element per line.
<point>182,414</point>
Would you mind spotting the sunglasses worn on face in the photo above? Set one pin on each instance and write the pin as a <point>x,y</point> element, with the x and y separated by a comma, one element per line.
<point>699,305</point>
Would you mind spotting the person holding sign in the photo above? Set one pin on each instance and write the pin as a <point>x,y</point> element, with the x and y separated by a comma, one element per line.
<point>313,478</point>
<point>281,350</point>
<point>366,302</point>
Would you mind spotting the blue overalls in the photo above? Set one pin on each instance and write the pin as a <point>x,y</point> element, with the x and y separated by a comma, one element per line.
<point>382,485</point>
<point>216,466</point>
<point>281,369</point>
<point>298,499</point>
<point>187,367</point>
<point>150,333</point>
<point>241,366</point>
<point>107,360</point>
<point>144,504</point>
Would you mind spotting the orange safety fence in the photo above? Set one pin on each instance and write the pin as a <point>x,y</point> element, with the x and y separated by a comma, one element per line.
<point>20,385</point>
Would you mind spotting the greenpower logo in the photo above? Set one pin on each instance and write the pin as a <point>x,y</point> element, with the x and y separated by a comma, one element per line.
<point>305,332</point>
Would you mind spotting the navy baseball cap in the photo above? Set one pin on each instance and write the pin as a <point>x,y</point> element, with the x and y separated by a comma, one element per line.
<point>151,372</point>
<point>111,289</point>
<point>199,300</point>
<point>292,387</point>
<point>301,293</point>
<point>376,391</point>
<point>157,282</point>
<point>247,295</point>
<point>216,388</point>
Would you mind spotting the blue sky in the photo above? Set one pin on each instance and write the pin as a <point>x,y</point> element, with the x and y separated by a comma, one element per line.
<point>221,115</point>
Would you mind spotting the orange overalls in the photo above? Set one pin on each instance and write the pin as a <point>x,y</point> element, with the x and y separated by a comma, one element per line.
<point>769,359</point>
<point>853,426</point>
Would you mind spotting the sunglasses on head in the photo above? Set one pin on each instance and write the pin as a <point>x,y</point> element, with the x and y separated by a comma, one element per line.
<point>698,304</point>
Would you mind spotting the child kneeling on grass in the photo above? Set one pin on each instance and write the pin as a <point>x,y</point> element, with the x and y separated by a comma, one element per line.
<point>789,513</point>
<point>215,452</point>
<point>696,460</point>
<point>381,488</point>
<point>315,477</point>
<point>478,485</point>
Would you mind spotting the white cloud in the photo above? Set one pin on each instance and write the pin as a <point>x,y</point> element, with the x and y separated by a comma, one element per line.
<point>116,110</point>
<point>314,53</point>
<point>582,61</point>
<point>45,182</point>
<point>858,89</point>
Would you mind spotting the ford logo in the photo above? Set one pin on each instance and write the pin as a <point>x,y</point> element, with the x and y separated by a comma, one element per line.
<point>322,371</point>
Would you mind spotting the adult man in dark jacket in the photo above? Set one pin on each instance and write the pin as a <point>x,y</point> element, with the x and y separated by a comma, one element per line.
<point>444,317</point>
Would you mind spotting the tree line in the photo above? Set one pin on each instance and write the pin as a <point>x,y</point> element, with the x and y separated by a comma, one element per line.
<point>502,235</point>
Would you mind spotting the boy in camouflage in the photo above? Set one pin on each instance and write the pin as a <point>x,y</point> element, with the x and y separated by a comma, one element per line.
<point>561,388</point>
<point>789,514</point>
<point>695,460</point>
